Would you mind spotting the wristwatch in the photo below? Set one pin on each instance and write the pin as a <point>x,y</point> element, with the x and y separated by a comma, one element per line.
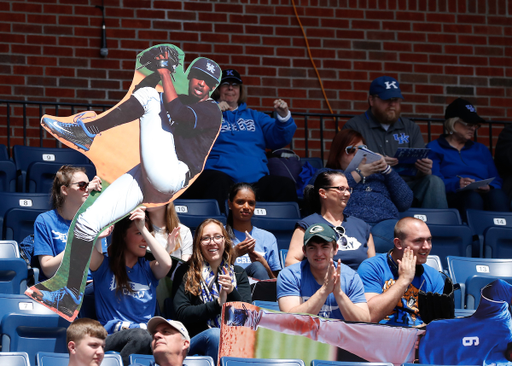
<point>363,178</point>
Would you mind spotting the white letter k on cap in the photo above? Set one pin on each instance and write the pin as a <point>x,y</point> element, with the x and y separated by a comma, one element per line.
<point>390,84</point>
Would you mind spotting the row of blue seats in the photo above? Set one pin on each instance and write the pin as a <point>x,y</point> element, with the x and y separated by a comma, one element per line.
<point>32,169</point>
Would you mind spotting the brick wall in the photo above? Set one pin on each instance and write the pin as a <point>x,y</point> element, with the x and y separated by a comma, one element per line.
<point>437,49</point>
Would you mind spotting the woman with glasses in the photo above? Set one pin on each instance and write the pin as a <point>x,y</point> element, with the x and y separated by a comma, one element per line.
<point>238,154</point>
<point>70,189</point>
<point>210,281</point>
<point>459,161</point>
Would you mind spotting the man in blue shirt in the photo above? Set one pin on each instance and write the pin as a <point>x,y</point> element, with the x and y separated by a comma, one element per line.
<point>392,280</point>
<point>319,286</point>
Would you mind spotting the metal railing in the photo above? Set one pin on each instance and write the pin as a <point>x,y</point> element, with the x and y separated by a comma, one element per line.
<point>10,111</point>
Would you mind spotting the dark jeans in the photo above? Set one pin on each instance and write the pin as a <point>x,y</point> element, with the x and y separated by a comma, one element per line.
<point>257,270</point>
<point>129,341</point>
<point>493,200</point>
<point>216,184</point>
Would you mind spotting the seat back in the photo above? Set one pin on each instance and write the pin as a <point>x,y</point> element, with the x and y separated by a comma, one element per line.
<point>4,153</point>
<point>192,212</point>
<point>498,242</point>
<point>435,262</point>
<point>112,359</point>
<point>479,221</point>
<point>347,363</point>
<point>462,268</point>
<point>9,249</point>
<point>238,361</point>
<point>20,304</point>
<point>23,156</point>
<point>474,286</point>
<point>34,333</point>
<point>35,201</point>
<point>7,176</point>
<point>281,228</point>
<point>445,216</point>
<point>277,210</point>
<point>62,359</point>
<point>147,360</point>
<point>454,240</point>
<point>14,359</point>
<point>19,223</point>
<point>40,175</point>
<point>13,275</point>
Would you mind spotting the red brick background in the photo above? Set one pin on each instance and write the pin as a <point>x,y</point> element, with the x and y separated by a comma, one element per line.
<point>437,49</point>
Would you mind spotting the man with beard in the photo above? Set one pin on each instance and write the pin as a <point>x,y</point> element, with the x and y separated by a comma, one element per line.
<point>385,131</point>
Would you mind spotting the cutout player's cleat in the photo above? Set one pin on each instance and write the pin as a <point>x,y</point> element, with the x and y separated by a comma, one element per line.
<point>61,299</point>
<point>242,317</point>
<point>75,133</point>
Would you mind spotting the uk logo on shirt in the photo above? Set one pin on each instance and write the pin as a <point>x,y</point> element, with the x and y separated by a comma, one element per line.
<point>402,138</point>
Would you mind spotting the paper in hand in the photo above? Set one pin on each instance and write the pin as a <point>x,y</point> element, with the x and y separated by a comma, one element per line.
<point>477,184</point>
<point>360,155</point>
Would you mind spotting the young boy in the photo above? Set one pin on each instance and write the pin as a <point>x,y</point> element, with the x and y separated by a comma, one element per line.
<point>86,342</point>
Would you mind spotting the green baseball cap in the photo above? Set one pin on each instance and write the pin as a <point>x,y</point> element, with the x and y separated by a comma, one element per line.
<point>323,231</point>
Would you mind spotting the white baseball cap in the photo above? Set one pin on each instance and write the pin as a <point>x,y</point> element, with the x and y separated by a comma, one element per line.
<point>157,320</point>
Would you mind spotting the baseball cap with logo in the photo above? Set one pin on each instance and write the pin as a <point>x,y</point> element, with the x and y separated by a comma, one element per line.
<point>231,75</point>
<point>464,110</point>
<point>201,66</point>
<point>323,231</point>
<point>157,320</point>
<point>385,87</point>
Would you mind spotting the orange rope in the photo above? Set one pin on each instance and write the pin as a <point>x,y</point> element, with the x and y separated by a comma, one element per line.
<point>311,57</point>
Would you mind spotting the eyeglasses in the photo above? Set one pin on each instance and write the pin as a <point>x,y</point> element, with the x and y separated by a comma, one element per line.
<point>342,189</point>
<point>217,239</point>
<point>352,149</point>
<point>81,185</point>
<point>467,125</point>
<point>228,84</point>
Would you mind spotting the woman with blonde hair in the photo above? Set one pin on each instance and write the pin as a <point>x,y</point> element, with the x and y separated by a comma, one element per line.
<point>210,281</point>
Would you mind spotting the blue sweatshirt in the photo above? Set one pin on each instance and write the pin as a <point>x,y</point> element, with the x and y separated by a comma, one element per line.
<point>473,161</point>
<point>244,135</point>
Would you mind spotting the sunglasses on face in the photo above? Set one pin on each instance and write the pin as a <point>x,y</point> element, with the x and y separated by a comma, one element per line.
<point>81,185</point>
<point>228,84</point>
<point>467,125</point>
<point>352,149</point>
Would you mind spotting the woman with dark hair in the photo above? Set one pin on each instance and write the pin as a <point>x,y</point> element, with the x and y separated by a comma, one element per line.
<point>254,249</point>
<point>209,283</point>
<point>238,154</point>
<point>70,189</point>
<point>164,220</point>
<point>125,284</point>
<point>328,199</point>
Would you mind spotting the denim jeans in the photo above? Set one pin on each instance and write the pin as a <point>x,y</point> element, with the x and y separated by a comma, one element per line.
<point>206,343</point>
<point>257,270</point>
<point>429,192</point>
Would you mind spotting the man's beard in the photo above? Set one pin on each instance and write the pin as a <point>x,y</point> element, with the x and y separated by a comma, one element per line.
<point>385,118</point>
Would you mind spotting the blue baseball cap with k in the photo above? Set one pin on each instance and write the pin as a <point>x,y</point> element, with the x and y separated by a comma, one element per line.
<point>386,87</point>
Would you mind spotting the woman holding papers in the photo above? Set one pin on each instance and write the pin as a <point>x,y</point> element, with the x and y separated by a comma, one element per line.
<point>459,162</point>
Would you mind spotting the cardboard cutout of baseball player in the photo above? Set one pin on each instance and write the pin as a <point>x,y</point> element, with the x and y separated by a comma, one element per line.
<point>150,147</point>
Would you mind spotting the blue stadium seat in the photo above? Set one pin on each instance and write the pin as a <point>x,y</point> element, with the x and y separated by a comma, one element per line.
<point>498,242</point>
<point>24,156</point>
<point>148,360</point>
<point>192,212</point>
<point>9,249</point>
<point>279,218</point>
<point>314,162</point>
<point>14,359</point>
<point>13,275</point>
<point>479,221</point>
<point>424,364</point>
<point>7,176</point>
<point>435,262</point>
<point>4,153</point>
<point>462,268</point>
<point>238,361</point>
<point>19,223</point>
<point>30,201</point>
<point>454,240</point>
<point>347,363</point>
<point>282,256</point>
<point>448,216</point>
<point>34,333</point>
<point>62,359</point>
<point>40,175</point>
<point>21,304</point>
<point>474,286</point>
<point>272,305</point>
